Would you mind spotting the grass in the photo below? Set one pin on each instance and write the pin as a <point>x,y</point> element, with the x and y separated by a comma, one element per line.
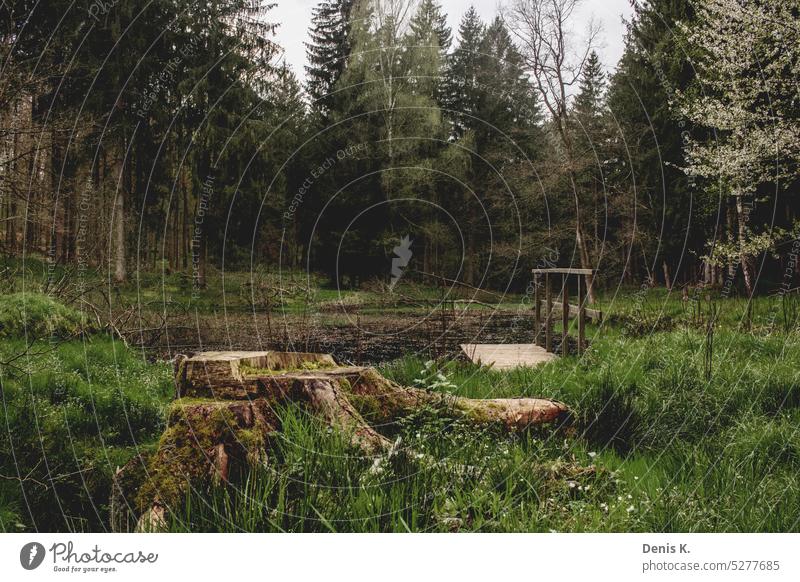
<point>277,290</point>
<point>72,412</point>
<point>33,316</point>
<point>664,439</point>
<point>658,448</point>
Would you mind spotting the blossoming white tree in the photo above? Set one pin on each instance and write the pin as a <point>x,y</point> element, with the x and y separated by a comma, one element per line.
<point>747,96</point>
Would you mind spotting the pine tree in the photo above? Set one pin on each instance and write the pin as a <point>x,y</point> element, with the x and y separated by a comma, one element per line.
<point>430,38</point>
<point>654,196</point>
<point>503,93</point>
<point>590,126</point>
<point>430,26</point>
<point>328,51</point>
<point>589,104</point>
<point>507,138</point>
<point>463,92</point>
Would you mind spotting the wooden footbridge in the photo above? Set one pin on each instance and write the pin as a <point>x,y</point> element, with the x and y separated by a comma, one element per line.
<point>508,356</point>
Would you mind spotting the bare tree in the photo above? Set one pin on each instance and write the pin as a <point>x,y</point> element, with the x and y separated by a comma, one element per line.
<point>555,60</point>
<point>385,43</point>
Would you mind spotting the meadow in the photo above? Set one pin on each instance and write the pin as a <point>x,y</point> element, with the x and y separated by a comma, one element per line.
<point>686,415</point>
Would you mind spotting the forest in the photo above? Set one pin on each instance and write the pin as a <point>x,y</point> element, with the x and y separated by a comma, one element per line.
<point>488,151</point>
<point>169,185</point>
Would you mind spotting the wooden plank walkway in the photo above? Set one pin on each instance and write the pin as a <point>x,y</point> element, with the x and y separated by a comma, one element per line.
<point>507,356</point>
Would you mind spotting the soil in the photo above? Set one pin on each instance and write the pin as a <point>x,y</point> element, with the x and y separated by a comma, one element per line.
<point>359,339</point>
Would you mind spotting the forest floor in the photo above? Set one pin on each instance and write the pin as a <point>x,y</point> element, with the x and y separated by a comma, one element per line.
<point>687,414</point>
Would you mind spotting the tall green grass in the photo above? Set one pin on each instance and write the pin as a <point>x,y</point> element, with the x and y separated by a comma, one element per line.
<point>661,441</point>
<point>71,414</point>
<point>37,316</point>
<point>656,447</point>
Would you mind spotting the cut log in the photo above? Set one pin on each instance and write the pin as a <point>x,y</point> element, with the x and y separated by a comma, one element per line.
<point>328,399</point>
<point>224,418</point>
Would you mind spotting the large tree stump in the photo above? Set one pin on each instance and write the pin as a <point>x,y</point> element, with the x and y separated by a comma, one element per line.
<point>224,416</point>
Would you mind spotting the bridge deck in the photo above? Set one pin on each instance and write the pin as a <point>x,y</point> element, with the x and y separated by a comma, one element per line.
<point>507,356</point>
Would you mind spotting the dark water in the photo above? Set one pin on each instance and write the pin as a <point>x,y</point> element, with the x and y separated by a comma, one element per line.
<point>359,340</point>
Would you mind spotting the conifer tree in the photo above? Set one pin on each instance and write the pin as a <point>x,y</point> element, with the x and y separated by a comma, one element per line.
<point>653,194</point>
<point>590,125</point>
<point>463,92</point>
<point>430,38</point>
<point>328,51</point>
<point>589,104</point>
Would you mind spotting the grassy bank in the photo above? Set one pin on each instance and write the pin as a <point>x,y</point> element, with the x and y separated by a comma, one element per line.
<point>75,406</point>
<point>676,429</point>
<point>660,446</point>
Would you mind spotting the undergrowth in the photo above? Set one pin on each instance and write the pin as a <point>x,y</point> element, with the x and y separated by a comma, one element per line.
<point>662,440</point>
<point>71,414</point>
<point>656,447</point>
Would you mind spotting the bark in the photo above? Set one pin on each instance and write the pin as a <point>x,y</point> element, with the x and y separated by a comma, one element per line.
<point>731,220</point>
<point>329,400</point>
<point>118,234</point>
<point>744,257</point>
<point>667,278</point>
<point>186,237</point>
<point>223,420</point>
<point>580,238</point>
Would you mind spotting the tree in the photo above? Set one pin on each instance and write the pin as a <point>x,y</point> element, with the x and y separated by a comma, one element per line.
<point>746,93</point>
<point>152,99</point>
<point>430,38</point>
<point>390,106</point>
<point>542,30</point>
<point>649,193</point>
<point>591,138</point>
<point>328,51</point>
<point>507,140</point>
<point>429,24</point>
<point>462,85</point>
<point>226,74</point>
<point>463,96</point>
<point>385,57</point>
<point>589,104</point>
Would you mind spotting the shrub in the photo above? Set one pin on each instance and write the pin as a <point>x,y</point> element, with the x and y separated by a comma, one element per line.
<point>35,315</point>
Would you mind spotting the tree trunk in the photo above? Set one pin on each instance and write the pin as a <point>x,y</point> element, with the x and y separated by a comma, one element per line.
<point>580,239</point>
<point>118,230</point>
<point>744,257</point>
<point>224,417</point>
<point>731,220</point>
<point>586,263</point>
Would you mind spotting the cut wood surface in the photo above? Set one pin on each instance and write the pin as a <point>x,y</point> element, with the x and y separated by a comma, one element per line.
<point>224,418</point>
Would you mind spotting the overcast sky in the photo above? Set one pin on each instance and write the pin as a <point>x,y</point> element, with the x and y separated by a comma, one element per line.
<point>294,17</point>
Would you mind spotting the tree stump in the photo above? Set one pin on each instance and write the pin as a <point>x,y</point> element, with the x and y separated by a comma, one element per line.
<point>224,416</point>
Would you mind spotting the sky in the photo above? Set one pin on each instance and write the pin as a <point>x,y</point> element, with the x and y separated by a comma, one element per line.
<point>294,17</point>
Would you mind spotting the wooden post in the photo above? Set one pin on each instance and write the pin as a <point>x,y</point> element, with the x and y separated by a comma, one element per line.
<point>581,315</point>
<point>548,324</point>
<point>565,315</point>
<point>537,315</point>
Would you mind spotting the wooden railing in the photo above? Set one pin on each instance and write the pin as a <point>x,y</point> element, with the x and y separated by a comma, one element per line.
<point>543,326</point>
